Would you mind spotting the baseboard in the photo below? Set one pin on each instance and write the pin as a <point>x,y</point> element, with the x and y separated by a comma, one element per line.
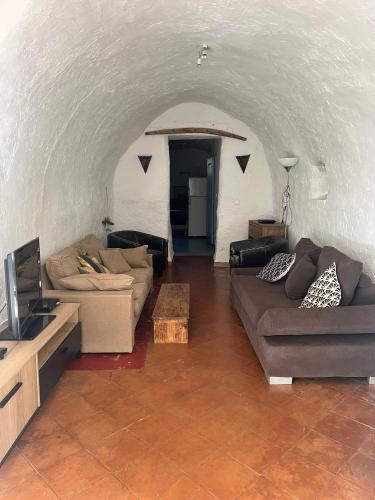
<point>221,264</point>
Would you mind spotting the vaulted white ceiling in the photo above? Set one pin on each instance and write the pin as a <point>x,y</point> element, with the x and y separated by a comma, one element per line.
<point>92,74</point>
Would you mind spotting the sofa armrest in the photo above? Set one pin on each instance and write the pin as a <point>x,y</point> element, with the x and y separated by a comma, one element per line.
<point>107,318</point>
<point>115,241</point>
<point>330,320</point>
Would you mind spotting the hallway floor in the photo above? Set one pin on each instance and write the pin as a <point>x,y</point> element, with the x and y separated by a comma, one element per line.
<point>183,246</point>
<point>199,422</point>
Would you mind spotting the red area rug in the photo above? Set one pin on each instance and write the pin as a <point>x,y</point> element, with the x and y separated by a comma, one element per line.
<point>131,361</point>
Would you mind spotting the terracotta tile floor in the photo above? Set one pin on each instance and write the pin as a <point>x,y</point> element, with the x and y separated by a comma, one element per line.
<point>198,422</point>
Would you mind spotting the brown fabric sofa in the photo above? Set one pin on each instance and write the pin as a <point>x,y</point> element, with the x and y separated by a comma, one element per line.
<point>292,342</point>
<point>108,318</point>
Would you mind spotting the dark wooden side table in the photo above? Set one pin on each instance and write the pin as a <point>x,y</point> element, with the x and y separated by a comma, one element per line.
<point>258,230</point>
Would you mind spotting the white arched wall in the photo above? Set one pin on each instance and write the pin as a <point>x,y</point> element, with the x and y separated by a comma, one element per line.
<point>141,201</point>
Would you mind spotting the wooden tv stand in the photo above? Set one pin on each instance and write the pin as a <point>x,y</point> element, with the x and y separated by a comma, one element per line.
<point>31,368</point>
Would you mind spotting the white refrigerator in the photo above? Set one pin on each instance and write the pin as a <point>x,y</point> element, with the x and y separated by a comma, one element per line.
<point>197,206</point>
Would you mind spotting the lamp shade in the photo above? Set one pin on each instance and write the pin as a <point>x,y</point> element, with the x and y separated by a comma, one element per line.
<point>289,162</point>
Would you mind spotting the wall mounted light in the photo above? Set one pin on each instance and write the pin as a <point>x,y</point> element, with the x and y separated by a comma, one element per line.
<point>287,163</point>
<point>202,54</point>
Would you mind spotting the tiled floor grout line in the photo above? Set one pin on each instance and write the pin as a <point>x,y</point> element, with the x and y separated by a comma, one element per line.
<point>354,420</point>
<point>39,473</point>
<point>291,448</point>
<point>72,435</point>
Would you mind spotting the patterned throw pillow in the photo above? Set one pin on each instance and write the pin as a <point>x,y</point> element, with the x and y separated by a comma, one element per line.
<point>278,267</point>
<point>91,264</point>
<point>325,291</point>
<point>86,270</point>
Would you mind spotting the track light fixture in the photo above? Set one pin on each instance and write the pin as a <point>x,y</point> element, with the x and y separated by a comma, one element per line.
<point>202,53</point>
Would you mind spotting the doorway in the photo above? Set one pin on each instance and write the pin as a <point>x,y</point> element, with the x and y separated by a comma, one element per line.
<point>194,181</point>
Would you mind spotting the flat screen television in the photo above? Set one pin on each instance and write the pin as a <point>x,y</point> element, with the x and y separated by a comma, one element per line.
<point>24,293</point>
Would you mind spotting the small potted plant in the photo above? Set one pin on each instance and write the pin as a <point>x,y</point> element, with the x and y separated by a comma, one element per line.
<point>107,223</point>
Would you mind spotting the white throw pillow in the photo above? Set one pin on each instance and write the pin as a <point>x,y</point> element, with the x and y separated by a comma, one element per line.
<point>325,291</point>
<point>278,267</point>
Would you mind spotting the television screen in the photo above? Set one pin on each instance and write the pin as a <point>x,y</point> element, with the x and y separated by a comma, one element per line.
<point>24,294</point>
<point>28,281</point>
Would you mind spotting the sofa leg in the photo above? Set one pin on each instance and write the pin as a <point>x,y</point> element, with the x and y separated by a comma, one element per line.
<point>280,380</point>
<point>371,380</point>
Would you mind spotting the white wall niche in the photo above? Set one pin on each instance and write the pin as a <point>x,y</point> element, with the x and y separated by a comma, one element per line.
<point>319,182</point>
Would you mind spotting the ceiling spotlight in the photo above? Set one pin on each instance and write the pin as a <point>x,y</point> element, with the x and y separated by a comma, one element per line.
<point>202,54</point>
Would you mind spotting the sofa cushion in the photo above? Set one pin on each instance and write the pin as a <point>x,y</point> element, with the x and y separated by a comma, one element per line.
<point>304,246</point>
<point>140,275</point>
<point>90,245</point>
<point>277,267</point>
<point>325,291</point>
<point>136,257</point>
<point>257,296</point>
<point>348,271</point>
<point>61,265</point>
<point>249,271</point>
<point>92,263</point>
<point>114,261</point>
<point>348,320</point>
<point>300,278</point>
<point>365,292</point>
<point>97,281</point>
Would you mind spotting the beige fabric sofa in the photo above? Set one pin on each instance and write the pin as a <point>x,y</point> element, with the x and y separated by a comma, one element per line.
<point>108,318</point>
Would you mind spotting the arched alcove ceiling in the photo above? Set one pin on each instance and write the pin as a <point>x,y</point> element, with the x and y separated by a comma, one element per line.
<point>84,78</point>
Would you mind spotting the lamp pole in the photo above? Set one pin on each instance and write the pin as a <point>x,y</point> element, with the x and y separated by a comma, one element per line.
<point>287,164</point>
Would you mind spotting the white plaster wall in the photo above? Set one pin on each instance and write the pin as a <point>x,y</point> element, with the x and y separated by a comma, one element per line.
<point>141,201</point>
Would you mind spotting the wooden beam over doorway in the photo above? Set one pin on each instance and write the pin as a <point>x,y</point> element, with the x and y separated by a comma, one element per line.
<point>195,130</point>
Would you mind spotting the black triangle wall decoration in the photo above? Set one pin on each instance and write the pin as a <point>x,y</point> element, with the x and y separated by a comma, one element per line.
<point>145,162</point>
<point>243,161</point>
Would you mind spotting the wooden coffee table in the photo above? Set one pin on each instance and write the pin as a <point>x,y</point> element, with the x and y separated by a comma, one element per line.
<point>171,314</point>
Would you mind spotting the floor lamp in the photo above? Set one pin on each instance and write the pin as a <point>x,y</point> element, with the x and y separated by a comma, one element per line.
<point>287,164</point>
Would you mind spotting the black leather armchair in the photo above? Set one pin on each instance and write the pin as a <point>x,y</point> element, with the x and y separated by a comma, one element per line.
<point>256,253</point>
<point>157,247</point>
